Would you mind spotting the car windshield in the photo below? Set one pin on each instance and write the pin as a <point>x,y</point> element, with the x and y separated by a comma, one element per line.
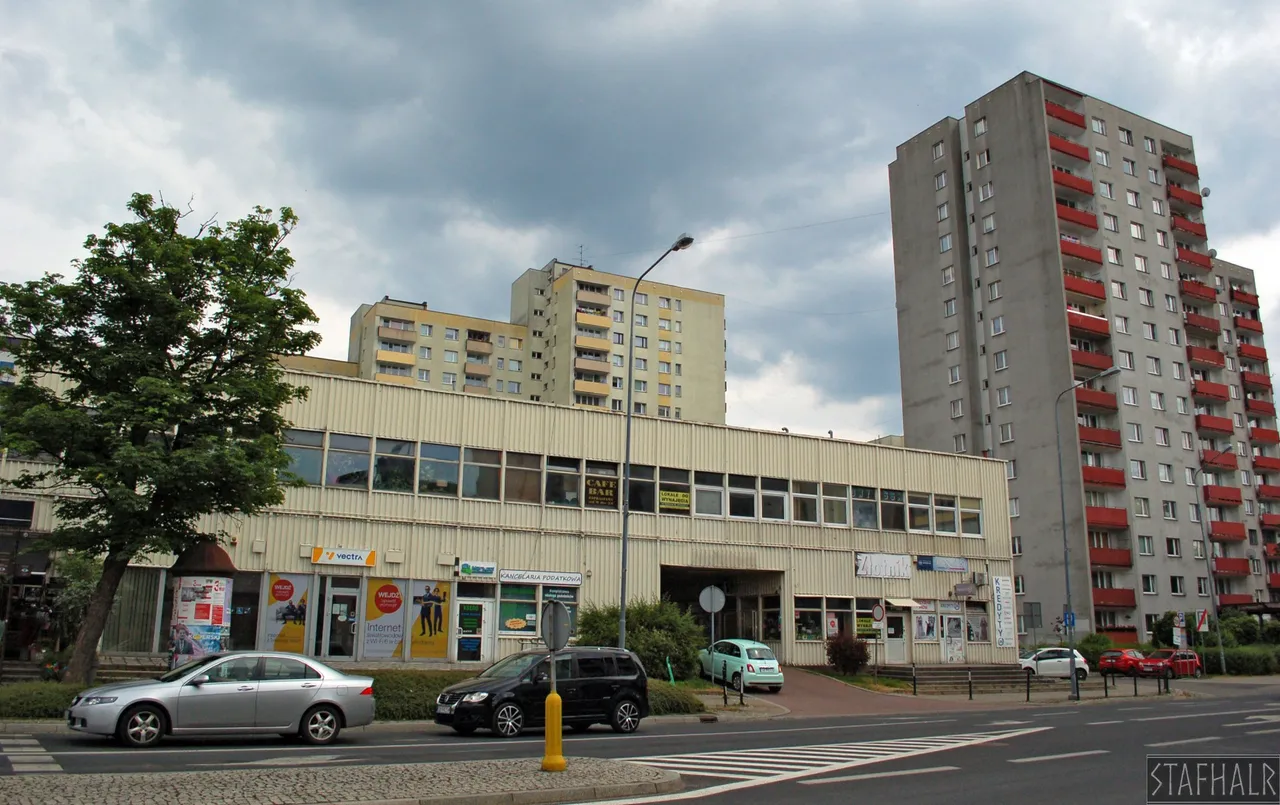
<point>1163,654</point>
<point>512,666</point>
<point>183,670</point>
<point>760,654</point>
<point>1027,653</point>
<point>1112,653</point>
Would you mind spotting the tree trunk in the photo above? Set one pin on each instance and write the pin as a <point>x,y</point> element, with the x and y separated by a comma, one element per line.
<point>81,666</point>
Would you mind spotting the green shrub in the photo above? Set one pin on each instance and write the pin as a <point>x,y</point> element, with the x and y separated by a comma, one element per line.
<point>1243,628</point>
<point>1242,660</point>
<point>657,630</point>
<point>408,694</point>
<point>666,699</point>
<point>1271,632</point>
<point>1091,647</point>
<point>45,700</point>
<point>847,654</point>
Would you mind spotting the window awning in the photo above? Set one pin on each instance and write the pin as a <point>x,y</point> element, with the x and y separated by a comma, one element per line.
<point>902,603</point>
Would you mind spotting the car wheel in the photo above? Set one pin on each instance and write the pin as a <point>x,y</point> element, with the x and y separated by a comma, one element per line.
<point>626,716</point>
<point>1082,674</point>
<point>737,681</point>
<point>508,720</point>
<point>321,725</point>
<point>461,730</point>
<point>1169,674</point>
<point>142,726</point>
<point>1199,672</point>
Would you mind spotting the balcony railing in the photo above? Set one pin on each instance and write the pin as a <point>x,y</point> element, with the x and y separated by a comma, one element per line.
<point>1214,424</point>
<point>1064,114</point>
<point>1255,380</point>
<point>1114,597</point>
<point>1071,214</point>
<point>1095,399</point>
<point>1198,290</point>
<point>1184,196</point>
<point>1101,437</point>
<point>477,347</point>
<point>1273,581</point>
<point>400,334</point>
<point>1251,352</point>
<point>1266,464</point>
<point>1220,459</point>
<point>1072,182</point>
<point>1065,146</point>
<point>1268,492</point>
<point>1207,390</point>
<point>1106,517</point>
<point>1080,251</point>
<point>1200,321</point>
<point>1264,436</point>
<point>1204,356</point>
<point>1269,521</point>
<point>1102,476</point>
<point>1225,531</point>
<point>1194,258</point>
<point>1222,495</point>
<point>1089,324</point>
<point>1091,360</point>
<point>594,298</point>
<point>1272,549</point>
<point>1180,165</point>
<point>1110,557</point>
<point>1259,407</point>
<point>1234,599</point>
<point>1230,566</point>
<point>1244,297</point>
<point>1190,227</point>
<point>1245,323</point>
<point>1084,286</point>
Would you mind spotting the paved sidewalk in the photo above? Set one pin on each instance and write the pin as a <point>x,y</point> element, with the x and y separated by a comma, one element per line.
<point>483,782</point>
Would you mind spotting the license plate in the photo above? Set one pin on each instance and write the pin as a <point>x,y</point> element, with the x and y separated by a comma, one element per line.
<point>444,709</point>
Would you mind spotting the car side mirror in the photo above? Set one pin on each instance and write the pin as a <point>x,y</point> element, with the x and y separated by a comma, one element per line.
<point>539,678</point>
<point>200,680</point>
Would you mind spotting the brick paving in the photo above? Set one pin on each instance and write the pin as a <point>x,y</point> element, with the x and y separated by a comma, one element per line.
<point>511,781</point>
<point>808,694</point>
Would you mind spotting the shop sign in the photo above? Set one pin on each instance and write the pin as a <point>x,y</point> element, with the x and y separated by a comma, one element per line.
<point>943,564</point>
<point>673,500</point>
<point>1006,619</point>
<point>602,492</point>
<point>883,565</point>
<point>966,589</point>
<point>478,571</point>
<point>351,557</point>
<point>540,577</point>
<point>867,627</point>
<point>559,594</point>
<point>384,619</point>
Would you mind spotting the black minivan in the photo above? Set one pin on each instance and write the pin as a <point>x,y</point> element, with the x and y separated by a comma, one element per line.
<point>596,686</point>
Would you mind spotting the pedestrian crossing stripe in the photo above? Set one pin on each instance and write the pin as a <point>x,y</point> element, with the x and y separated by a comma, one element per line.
<point>27,756</point>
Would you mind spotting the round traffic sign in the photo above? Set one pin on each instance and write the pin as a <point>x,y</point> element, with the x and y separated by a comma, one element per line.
<point>711,599</point>
<point>877,613</point>
<point>555,625</point>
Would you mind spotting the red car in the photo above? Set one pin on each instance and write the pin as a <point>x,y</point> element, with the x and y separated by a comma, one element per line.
<point>1171,663</point>
<point>1119,661</point>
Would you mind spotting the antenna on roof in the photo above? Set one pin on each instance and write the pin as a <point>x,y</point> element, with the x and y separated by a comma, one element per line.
<point>581,259</point>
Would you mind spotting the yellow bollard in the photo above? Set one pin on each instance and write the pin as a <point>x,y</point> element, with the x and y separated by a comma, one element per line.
<point>553,748</point>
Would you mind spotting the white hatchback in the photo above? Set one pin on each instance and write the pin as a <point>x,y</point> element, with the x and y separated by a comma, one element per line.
<point>1053,662</point>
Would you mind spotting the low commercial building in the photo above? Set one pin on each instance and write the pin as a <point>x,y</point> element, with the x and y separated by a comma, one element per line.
<point>433,525</point>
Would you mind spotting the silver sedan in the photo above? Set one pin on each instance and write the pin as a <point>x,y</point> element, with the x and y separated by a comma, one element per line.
<point>223,694</point>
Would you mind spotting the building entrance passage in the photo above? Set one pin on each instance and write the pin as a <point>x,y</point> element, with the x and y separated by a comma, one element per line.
<point>339,621</point>
<point>753,601</point>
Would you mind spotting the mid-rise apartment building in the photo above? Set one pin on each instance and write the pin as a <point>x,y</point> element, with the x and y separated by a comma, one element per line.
<point>1042,239</point>
<point>566,344</point>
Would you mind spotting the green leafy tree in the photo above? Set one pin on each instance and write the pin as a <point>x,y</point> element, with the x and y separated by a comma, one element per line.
<point>78,574</point>
<point>149,385</point>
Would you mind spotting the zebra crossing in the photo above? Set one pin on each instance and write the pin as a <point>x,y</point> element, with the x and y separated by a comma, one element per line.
<point>758,766</point>
<point>26,755</point>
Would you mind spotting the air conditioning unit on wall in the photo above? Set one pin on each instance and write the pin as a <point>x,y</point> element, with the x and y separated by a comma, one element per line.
<point>980,579</point>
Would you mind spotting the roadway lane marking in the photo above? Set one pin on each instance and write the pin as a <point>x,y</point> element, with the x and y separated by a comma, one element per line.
<point>1262,732</point>
<point>1187,741</point>
<point>1100,723</point>
<point>1254,721</point>
<point>1042,758</point>
<point>879,775</point>
<point>1127,709</point>
<point>1196,715</point>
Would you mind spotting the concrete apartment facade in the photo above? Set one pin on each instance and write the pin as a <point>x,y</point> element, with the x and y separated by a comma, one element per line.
<point>565,344</point>
<point>1042,239</point>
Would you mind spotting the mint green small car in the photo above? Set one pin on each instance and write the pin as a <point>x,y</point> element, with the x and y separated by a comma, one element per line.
<point>744,663</point>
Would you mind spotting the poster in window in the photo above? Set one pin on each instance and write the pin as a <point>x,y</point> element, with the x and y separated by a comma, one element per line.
<point>979,626</point>
<point>602,492</point>
<point>429,628</point>
<point>952,639</point>
<point>672,500</point>
<point>286,615</point>
<point>926,627</point>
<point>384,619</point>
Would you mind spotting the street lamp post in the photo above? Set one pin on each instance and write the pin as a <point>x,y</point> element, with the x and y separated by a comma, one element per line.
<point>1066,544</point>
<point>682,242</point>
<point>1208,557</point>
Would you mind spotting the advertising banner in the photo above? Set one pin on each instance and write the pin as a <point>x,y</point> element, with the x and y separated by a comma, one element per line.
<point>286,612</point>
<point>201,622</point>
<point>602,493</point>
<point>1006,624</point>
<point>428,631</point>
<point>883,565</point>
<point>384,619</point>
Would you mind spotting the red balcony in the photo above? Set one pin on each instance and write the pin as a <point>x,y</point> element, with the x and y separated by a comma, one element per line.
<point>1086,324</point>
<point>1244,297</point>
<point>1270,521</point>
<point>1264,436</point>
<point>1268,492</point>
<point>1214,424</point>
<point>1198,290</point>
<point>1102,476</point>
<point>1221,459</point>
<point>1181,166</point>
<point>1273,581</point>
<point>1110,557</point>
<point>1224,531</point>
<point>1234,599</point>
<point>1222,495</point>
<point>1251,352</point>
<point>1271,550</point>
<point>1064,114</point>
<point>1266,464</point>
<point>1185,196</point>
<point>1114,597</point>
<point>1190,227</point>
<point>1196,259</point>
<point>1255,380</point>
<point>1205,357</point>
<point>1252,325</point>
<point>1072,182</point>
<point>1259,407</point>
<point>1205,390</point>
<point>1092,399</point>
<point>1198,321</point>
<point>1091,360</point>
<point>1106,517</point>
<point>1100,437</point>
<point>1065,146</point>
<point>1080,251</point>
<point>1228,566</point>
<point>1083,286</point>
<point>1072,215</point>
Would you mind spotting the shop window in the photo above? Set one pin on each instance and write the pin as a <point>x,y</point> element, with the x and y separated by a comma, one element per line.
<point>482,474</point>
<point>773,498</point>
<point>864,621</point>
<point>944,514</point>
<point>971,517</point>
<point>708,494</point>
<point>523,482</point>
<point>742,496</point>
<point>771,617</point>
<point>864,508</point>
<point>835,504</point>
<point>393,466</point>
<point>518,609</point>
<point>601,485</point>
<point>918,513</point>
<point>348,462</point>
<point>673,491</point>
<point>978,625</point>
<point>438,469</point>
<point>567,596</point>
<point>842,610</point>
<point>893,515</point>
<point>305,449</point>
<point>642,496</point>
<point>809,623</point>
<point>804,502</point>
<point>564,482</point>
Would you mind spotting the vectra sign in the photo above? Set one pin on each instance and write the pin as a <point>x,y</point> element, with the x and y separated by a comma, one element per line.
<point>353,557</point>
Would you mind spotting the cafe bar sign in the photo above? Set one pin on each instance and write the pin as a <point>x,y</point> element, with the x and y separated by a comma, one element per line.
<point>601,492</point>
<point>350,557</point>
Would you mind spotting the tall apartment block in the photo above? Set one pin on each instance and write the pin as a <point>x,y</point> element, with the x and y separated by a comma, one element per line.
<point>566,344</point>
<point>1041,240</point>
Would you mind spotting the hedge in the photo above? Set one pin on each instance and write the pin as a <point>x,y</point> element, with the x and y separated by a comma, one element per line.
<point>45,700</point>
<point>1242,660</point>
<point>666,699</point>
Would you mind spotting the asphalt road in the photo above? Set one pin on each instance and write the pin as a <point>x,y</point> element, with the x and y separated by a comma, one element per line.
<point>1091,752</point>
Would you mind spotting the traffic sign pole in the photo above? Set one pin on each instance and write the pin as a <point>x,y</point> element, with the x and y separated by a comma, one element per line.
<point>555,633</point>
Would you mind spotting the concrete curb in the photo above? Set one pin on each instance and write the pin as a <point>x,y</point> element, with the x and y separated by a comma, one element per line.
<point>670,784</point>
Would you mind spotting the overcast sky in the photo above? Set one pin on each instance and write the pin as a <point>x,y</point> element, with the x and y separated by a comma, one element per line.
<point>434,150</point>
